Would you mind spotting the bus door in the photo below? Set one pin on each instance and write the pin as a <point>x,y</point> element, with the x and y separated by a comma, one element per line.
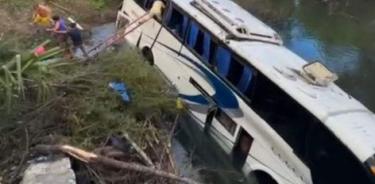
<point>217,122</point>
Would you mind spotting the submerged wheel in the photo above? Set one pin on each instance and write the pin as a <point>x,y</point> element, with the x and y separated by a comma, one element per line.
<point>262,177</point>
<point>147,54</point>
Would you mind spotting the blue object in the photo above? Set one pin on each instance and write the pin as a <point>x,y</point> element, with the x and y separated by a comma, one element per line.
<point>121,89</point>
<point>223,59</point>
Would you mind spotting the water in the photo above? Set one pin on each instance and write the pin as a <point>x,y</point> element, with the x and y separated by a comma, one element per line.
<point>342,36</point>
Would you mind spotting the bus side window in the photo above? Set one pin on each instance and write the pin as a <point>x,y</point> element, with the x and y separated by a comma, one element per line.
<point>141,3</point>
<point>148,4</point>
<point>201,42</point>
<point>246,79</point>
<point>177,22</point>
<point>284,114</point>
<point>195,38</point>
<point>222,60</point>
<point>209,47</point>
<point>226,121</point>
<point>235,71</point>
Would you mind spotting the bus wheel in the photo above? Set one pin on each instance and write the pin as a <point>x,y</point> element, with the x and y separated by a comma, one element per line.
<point>262,177</point>
<point>147,54</point>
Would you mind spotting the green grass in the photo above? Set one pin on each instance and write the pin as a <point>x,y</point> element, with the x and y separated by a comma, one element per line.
<point>81,110</point>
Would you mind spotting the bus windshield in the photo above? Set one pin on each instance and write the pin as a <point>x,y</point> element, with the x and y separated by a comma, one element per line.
<point>332,162</point>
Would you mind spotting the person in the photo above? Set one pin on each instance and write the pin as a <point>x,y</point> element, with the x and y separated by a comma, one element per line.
<point>60,30</point>
<point>75,35</point>
<point>42,16</point>
<point>157,9</point>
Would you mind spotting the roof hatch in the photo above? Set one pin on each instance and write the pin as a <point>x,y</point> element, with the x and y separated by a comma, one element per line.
<point>237,27</point>
<point>317,74</point>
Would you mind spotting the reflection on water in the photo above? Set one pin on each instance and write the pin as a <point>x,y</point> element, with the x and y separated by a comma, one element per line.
<point>339,58</point>
<point>202,159</point>
<point>341,35</point>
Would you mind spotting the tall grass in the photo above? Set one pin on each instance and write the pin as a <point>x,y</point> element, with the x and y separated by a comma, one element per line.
<point>81,110</point>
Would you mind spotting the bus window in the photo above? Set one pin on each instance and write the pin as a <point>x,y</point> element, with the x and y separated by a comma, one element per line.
<point>177,22</point>
<point>201,42</point>
<point>332,162</point>
<point>223,58</point>
<point>226,121</point>
<point>195,38</point>
<point>246,78</point>
<point>148,4</point>
<point>141,3</point>
<point>235,71</point>
<point>207,47</point>
<point>286,116</point>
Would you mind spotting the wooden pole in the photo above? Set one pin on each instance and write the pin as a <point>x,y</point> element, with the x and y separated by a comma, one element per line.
<point>92,158</point>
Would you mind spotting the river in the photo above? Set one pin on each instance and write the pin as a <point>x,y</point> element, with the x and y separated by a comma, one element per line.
<point>341,35</point>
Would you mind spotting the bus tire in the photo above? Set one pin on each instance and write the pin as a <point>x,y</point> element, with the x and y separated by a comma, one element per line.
<point>262,177</point>
<point>148,55</point>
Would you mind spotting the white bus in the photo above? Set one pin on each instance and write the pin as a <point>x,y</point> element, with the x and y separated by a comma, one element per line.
<point>249,92</point>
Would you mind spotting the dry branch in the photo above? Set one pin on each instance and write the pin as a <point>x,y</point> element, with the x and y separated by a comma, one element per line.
<point>92,158</point>
<point>139,151</point>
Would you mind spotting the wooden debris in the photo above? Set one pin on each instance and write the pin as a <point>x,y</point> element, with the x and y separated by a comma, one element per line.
<point>91,158</point>
<point>140,151</point>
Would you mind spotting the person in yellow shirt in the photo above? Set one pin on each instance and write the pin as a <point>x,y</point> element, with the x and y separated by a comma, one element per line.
<point>42,16</point>
<point>157,9</point>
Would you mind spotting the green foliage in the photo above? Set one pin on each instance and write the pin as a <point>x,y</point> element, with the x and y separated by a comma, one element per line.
<point>80,109</point>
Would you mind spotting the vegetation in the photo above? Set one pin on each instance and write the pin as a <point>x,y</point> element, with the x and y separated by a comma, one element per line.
<point>80,109</point>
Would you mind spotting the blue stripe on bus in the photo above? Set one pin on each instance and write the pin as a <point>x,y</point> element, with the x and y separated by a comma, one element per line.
<point>199,99</point>
<point>223,96</point>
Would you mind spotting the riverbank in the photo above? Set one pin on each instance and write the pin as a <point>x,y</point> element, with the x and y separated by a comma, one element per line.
<point>81,110</point>
<point>18,34</point>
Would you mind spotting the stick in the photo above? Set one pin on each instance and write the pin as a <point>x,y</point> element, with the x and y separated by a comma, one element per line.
<point>92,158</point>
<point>121,34</point>
<point>140,151</point>
<point>61,7</point>
<point>27,145</point>
<point>75,22</point>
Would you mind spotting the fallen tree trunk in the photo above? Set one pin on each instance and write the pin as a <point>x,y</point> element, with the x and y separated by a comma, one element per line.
<point>92,158</point>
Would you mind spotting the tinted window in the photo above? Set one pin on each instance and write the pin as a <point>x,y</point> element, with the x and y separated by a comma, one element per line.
<point>177,22</point>
<point>245,80</point>
<point>202,43</point>
<point>235,71</point>
<point>141,3</point>
<point>222,60</point>
<point>282,113</point>
<point>226,122</point>
<point>194,34</point>
<point>145,3</point>
<point>332,162</point>
<point>148,4</point>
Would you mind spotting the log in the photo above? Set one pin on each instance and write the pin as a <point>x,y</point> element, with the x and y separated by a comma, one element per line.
<point>91,158</point>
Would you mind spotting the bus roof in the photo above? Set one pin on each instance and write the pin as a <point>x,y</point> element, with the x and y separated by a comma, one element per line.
<point>334,107</point>
<point>229,16</point>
